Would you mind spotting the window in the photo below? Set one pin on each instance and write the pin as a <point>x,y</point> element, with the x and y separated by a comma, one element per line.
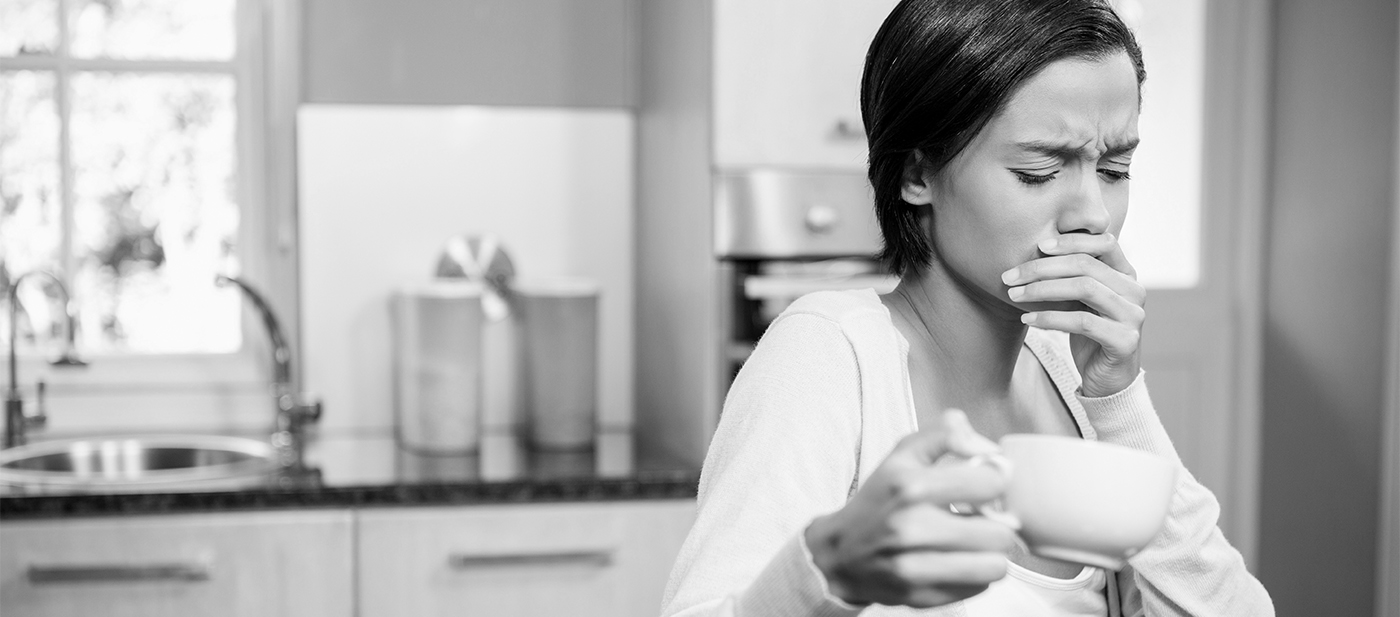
<point>137,161</point>
<point>1163,235</point>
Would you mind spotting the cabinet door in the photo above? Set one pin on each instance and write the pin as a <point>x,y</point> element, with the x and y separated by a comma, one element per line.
<point>266,564</point>
<point>787,81</point>
<point>579,559</point>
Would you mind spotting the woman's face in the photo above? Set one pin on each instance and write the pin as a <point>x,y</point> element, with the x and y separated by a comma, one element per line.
<point>1054,161</point>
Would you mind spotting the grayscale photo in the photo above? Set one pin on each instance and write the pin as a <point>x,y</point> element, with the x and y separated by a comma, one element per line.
<point>700,308</point>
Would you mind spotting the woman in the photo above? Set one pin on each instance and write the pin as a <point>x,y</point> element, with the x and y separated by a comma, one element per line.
<point>1000,135</point>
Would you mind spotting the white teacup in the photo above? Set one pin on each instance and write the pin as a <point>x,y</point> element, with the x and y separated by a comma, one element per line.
<point>1082,501</point>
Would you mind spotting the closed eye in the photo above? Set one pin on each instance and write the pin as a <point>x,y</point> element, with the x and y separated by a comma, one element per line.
<point>1115,175</point>
<point>1033,179</point>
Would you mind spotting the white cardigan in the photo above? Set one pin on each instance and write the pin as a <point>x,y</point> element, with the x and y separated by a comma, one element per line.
<point>818,406</point>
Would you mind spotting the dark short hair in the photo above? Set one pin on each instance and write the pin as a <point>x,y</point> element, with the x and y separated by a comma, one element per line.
<point>939,70</point>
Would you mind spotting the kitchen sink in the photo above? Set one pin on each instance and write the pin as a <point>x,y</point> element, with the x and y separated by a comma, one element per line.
<point>135,461</point>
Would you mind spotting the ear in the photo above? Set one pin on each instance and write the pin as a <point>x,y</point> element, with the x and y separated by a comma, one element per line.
<point>917,188</point>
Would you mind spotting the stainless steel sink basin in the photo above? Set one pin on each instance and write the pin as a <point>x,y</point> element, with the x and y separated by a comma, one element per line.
<point>135,461</point>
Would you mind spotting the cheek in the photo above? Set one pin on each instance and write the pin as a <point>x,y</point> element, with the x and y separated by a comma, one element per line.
<point>982,233</point>
<point>1117,203</point>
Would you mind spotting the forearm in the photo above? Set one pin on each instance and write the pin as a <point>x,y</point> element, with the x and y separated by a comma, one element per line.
<point>782,456</point>
<point>788,586</point>
<point>1190,568</point>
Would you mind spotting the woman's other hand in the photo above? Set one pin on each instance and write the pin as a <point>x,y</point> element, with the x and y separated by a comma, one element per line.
<point>1089,269</point>
<point>896,542</point>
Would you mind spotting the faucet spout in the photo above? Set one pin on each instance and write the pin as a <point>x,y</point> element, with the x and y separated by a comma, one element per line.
<point>15,420</point>
<point>294,410</point>
<point>281,352</point>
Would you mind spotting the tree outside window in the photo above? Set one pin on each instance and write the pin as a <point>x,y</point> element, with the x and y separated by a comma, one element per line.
<point>119,140</point>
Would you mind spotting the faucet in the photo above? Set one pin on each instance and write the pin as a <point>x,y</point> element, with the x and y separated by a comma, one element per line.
<point>294,410</point>
<point>16,423</point>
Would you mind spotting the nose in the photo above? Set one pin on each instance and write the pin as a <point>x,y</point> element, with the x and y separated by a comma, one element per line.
<point>1084,209</point>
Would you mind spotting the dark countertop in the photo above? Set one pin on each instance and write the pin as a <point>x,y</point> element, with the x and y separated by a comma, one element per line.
<point>353,471</point>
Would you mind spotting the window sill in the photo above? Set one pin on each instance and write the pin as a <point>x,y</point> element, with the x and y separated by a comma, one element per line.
<point>126,373</point>
<point>195,393</point>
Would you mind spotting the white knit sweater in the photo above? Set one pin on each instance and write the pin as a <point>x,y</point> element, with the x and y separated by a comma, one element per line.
<point>822,401</point>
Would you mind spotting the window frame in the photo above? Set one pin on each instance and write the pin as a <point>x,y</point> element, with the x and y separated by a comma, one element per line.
<point>227,391</point>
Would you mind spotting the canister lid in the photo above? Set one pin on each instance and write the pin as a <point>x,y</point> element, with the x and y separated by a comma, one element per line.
<point>480,258</point>
<point>442,288</point>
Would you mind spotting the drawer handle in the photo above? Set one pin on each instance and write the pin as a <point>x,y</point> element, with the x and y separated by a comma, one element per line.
<point>118,573</point>
<point>597,559</point>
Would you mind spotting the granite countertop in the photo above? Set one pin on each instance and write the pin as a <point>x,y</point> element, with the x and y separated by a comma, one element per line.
<point>352,471</point>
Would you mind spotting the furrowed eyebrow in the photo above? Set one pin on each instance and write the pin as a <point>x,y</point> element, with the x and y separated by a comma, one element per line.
<point>1062,150</point>
<point>1126,147</point>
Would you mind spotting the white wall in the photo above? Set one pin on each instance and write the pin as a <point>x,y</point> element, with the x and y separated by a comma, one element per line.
<point>382,188</point>
<point>1163,236</point>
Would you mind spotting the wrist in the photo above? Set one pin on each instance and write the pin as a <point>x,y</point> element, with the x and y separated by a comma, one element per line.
<point>1108,382</point>
<point>1094,390</point>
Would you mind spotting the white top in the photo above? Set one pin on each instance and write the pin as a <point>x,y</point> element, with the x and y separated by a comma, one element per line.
<point>823,400</point>
<point>1031,594</point>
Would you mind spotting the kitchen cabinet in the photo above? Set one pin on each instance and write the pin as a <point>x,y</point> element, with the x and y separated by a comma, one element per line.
<point>730,91</point>
<point>532,53</point>
<point>293,564</point>
<point>787,81</point>
<point>581,559</point>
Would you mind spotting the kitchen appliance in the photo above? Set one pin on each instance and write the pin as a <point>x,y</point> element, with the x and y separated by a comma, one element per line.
<point>781,234</point>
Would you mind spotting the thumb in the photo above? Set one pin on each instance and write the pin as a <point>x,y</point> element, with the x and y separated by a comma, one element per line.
<point>953,435</point>
<point>963,440</point>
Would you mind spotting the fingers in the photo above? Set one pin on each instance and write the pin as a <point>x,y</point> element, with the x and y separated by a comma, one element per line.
<point>1089,269</point>
<point>925,568</point>
<point>962,439</point>
<point>1091,292</point>
<point>944,594</point>
<point>931,527</point>
<point>897,541</point>
<point>948,484</point>
<point>954,435</point>
<point>1117,339</point>
<point>1077,265</point>
<point>1103,246</point>
<point>922,579</point>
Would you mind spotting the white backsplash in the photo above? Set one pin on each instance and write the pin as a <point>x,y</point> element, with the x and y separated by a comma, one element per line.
<point>383,187</point>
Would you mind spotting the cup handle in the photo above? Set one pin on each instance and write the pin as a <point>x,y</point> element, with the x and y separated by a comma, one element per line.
<point>992,510</point>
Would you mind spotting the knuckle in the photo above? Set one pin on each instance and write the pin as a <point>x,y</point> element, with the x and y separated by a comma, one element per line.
<point>1137,314</point>
<point>902,489</point>
<point>938,485</point>
<point>904,566</point>
<point>1137,292</point>
<point>905,527</point>
<point>1132,338</point>
<point>1085,322</point>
